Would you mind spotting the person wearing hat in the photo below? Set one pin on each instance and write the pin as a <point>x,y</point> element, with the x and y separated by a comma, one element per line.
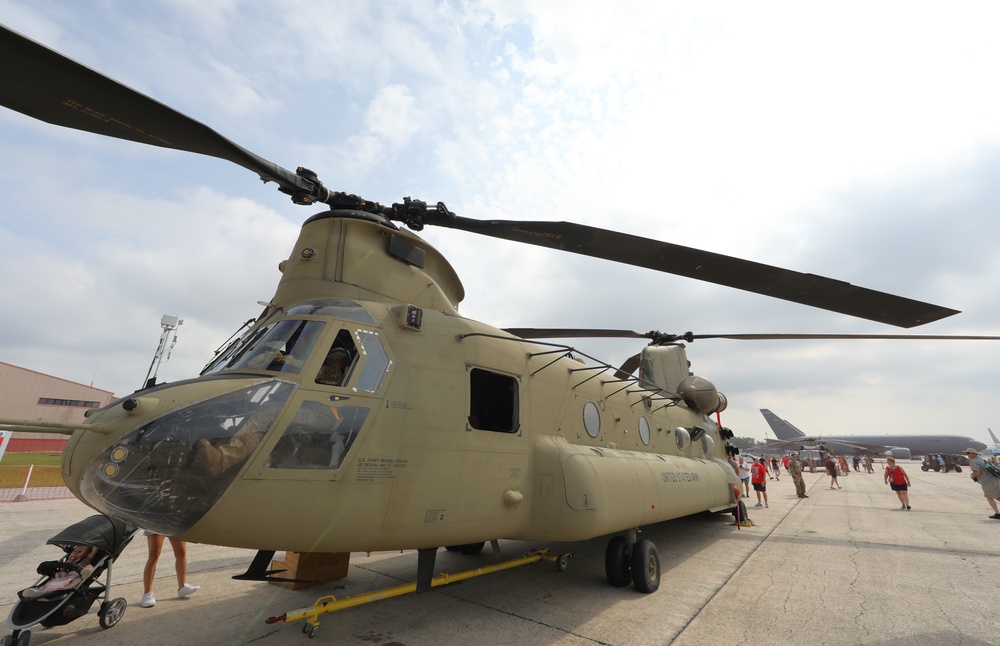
<point>989,482</point>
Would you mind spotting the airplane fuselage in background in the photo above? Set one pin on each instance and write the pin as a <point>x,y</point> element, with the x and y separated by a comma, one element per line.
<point>899,446</point>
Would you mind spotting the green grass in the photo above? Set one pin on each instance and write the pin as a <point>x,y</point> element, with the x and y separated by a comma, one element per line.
<point>38,459</point>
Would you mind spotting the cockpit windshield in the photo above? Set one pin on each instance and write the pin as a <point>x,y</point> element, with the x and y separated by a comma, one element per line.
<point>167,473</point>
<point>268,347</point>
<point>281,347</point>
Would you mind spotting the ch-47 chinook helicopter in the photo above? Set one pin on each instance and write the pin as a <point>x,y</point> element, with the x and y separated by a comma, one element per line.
<point>363,412</point>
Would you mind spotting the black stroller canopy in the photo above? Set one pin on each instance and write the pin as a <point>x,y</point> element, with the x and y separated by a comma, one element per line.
<point>98,531</point>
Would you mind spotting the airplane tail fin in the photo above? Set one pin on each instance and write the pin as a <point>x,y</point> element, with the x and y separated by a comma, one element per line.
<point>995,440</point>
<point>782,430</point>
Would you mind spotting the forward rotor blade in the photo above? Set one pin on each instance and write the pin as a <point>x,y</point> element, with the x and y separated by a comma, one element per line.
<point>570,333</point>
<point>660,337</point>
<point>48,86</point>
<point>785,284</point>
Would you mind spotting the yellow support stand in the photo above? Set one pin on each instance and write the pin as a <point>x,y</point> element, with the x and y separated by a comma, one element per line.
<point>330,603</point>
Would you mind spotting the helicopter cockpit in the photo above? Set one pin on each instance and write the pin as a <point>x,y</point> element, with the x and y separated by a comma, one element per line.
<point>166,473</point>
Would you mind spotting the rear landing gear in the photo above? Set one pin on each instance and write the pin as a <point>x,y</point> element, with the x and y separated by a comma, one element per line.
<point>645,566</point>
<point>635,562</point>
<point>618,562</point>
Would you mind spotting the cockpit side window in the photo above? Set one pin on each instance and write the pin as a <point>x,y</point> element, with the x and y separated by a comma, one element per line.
<point>318,437</point>
<point>336,368</point>
<point>377,362</point>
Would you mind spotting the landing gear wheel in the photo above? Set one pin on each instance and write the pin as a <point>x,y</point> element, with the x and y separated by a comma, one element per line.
<point>562,563</point>
<point>112,612</point>
<point>617,564</point>
<point>645,566</point>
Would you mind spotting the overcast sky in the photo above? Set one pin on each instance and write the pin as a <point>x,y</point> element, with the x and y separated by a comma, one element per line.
<point>854,140</point>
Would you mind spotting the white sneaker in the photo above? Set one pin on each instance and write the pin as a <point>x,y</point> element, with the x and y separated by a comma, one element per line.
<point>187,589</point>
<point>758,505</point>
<point>765,504</point>
<point>147,600</point>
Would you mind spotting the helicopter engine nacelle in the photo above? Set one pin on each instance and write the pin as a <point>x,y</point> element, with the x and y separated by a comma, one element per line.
<point>700,394</point>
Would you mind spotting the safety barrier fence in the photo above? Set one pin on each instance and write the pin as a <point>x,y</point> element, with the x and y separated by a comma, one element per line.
<point>28,482</point>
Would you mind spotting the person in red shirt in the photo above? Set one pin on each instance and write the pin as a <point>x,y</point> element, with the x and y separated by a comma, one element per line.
<point>898,481</point>
<point>758,478</point>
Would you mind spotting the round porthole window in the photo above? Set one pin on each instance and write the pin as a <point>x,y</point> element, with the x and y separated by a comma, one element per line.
<point>592,419</point>
<point>644,430</point>
<point>683,437</point>
<point>707,444</point>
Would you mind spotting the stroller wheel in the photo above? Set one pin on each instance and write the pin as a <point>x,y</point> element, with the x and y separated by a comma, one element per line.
<point>112,612</point>
<point>5,640</point>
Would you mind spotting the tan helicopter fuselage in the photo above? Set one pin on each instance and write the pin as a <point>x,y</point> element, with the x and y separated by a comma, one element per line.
<point>573,453</point>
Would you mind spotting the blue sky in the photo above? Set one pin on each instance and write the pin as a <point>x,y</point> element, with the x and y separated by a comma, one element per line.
<point>853,140</point>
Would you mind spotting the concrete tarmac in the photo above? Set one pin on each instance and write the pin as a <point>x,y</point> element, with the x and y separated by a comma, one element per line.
<point>845,566</point>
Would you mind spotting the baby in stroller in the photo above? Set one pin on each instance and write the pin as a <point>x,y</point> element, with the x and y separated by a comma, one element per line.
<point>69,587</point>
<point>66,574</point>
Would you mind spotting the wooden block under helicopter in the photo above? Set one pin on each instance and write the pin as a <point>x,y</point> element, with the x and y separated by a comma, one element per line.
<point>360,411</point>
<point>309,569</point>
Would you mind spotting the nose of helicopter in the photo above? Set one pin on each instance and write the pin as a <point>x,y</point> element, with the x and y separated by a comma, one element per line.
<point>166,471</point>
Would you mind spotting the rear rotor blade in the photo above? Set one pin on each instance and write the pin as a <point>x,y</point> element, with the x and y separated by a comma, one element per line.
<point>855,337</point>
<point>48,86</point>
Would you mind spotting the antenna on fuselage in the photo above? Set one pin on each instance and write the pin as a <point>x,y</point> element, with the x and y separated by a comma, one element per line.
<point>168,339</point>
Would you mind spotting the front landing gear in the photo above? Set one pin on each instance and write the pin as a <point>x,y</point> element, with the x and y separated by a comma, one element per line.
<point>632,561</point>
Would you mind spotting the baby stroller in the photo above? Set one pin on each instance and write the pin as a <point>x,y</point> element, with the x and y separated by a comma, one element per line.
<point>107,538</point>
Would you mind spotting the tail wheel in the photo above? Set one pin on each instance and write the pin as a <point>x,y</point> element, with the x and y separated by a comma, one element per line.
<point>645,566</point>
<point>617,563</point>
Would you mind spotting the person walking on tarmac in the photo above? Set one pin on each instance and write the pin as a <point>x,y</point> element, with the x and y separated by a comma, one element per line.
<point>831,470</point>
<point>795,470</point>
<point>745,477</point>
<point>898,481</point>
<point>758,476</point>
<point>989,482</point>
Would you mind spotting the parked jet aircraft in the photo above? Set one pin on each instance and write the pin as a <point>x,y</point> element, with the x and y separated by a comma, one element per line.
<point>996,443</point>
<point>901,447</point>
